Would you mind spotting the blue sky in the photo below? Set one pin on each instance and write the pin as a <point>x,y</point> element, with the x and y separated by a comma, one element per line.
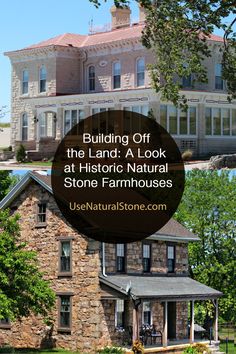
<point>27,22</point>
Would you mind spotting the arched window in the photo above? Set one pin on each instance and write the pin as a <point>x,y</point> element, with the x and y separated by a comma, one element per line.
<point>116,69</point>
<point>42,79</point>
<point>25,82</point>
<point>140,72</point>
<point>24,127</point>
<point>91,78</point>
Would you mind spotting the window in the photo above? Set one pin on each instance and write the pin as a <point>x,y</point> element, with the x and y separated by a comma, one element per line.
<point>41,213</point>
<point>178,122</point>
<point>65,256</point>
<point>186,80</point>
<point>220,121</point>
<point>147,317</point>
<point>5,323</point>
<point>120,257</point>
<point>219,82</point>
<point>25,82</point>
<point>42,79</point>
<point>146,258</point>
<point>171,259</point>
<point>116,75</point>
<point>64,312</point>
<point>131,126</point>
<point>119,316</point>
<point>102,123</point>
<point>91,78</point>
<point>71,118</point>
<point>24,127</point>
<point>140,71</point>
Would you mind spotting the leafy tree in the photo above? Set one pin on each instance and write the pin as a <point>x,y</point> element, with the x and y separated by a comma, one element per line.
<point>176,32</point>
<point>7,180</point>
<point>22,287</point>
<point>208,210</point>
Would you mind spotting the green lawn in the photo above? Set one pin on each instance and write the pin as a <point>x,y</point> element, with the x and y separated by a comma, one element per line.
<point>38,163</point>
<point>231,348</point>
<point>36,351</point>
<point>4,125</point>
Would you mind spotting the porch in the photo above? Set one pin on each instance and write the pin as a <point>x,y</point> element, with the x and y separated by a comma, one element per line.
<point>158,310</point>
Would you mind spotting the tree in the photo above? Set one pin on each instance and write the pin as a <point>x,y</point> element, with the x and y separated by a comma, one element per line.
<point>208,210</point>
<point>177,32</point>
<point>7,180</point>
<point>22,287</point>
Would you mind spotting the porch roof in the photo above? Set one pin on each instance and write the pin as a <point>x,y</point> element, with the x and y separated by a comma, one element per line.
<point>159,287</point>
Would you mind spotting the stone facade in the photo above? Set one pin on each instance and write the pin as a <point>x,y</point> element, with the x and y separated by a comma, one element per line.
<point>67,87</point>
<point>134,263</point>
<point>93,317</point>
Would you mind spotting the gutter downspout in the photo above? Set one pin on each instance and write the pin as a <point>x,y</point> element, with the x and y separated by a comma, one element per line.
<point>103,260</point>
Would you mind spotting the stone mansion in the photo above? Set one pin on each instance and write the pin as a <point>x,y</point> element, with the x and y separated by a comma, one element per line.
<point>62,80</point>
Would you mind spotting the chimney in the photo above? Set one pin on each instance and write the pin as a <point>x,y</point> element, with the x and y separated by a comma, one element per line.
<point>120,17</point>
<point>142,14</point>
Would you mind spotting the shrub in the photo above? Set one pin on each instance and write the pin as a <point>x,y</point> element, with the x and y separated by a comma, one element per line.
<point>201,348</point>
<point>190,350</point>
<point>7,349</point>
<point>187,155</point>
<point>111,350</point>
<point>198,348</point>
<point>138,347</point>
<point>9,148</point>
<point>20,154</point>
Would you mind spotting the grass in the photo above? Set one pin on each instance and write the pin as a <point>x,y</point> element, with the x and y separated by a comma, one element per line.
<point>4,125</point>
<point>231,348</point>
<point>41,351</point>
<point>38,163</point>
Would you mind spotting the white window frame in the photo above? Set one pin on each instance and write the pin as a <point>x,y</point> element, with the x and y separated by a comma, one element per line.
<point>113,74</point>
<point>42,67</point>
<point>88,76</point>
<point>130,106</point>
<point>137,72</point>
<point>116,312</point>
<point>215,76</point>
<point>221,136</point>
<point>79,118</point>
<point>25,82</point>
<point>188,135</point>
<point>151,319</point>
<point>24,126</point>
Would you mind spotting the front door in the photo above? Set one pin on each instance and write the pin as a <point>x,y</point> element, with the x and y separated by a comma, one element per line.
<point>171,320</point>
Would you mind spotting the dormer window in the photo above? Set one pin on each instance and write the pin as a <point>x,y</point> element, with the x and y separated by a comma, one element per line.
<point>91,78</point>
<point>116,75</point>
<point>25,82</point>
<point>140,72</point>
<point>42,79</point>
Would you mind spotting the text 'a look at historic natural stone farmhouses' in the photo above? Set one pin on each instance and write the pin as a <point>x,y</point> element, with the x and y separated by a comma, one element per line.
<point>58,82</point>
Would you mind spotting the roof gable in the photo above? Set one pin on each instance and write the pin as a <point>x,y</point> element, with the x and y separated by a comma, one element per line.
<point>172,231</point>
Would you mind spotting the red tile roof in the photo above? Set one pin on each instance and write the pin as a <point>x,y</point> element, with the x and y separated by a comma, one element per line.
<point>65,39</point>
<point>79,41</point>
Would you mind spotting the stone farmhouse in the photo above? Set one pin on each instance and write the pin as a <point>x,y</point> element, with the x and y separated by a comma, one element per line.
<point>62,80</point>
<point>106,293</point>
